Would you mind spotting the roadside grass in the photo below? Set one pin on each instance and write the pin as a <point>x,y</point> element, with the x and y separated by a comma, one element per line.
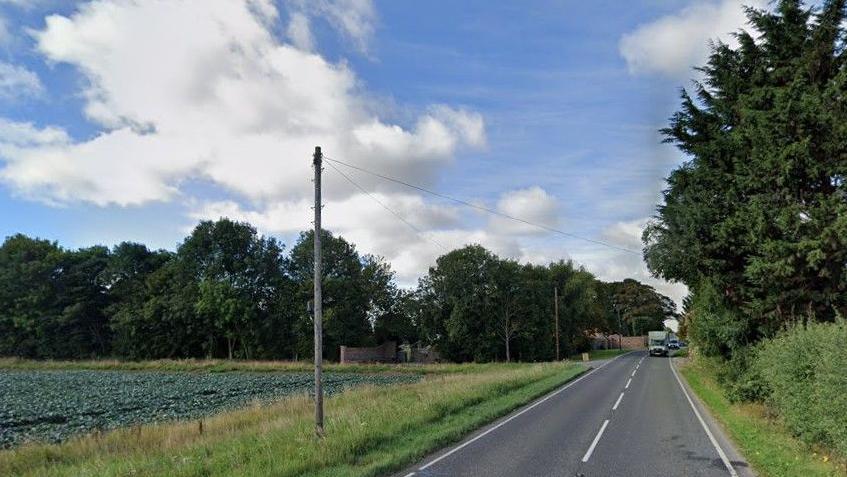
<point>223,366</point>
<point>767,445</point>
<point>369,431</point>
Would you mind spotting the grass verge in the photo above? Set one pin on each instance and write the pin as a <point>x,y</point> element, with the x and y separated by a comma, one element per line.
<point>369,431</point>
<point>766,444</point>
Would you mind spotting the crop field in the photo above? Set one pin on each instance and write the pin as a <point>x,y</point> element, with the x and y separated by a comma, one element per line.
<point>54,405</point>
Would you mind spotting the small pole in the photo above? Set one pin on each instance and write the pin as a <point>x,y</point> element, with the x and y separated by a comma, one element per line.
<point>318,304</point>
<point>556,314</point>
<point>620,328</point>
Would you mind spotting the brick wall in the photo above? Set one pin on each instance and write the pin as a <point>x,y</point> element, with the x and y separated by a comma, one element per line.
<point>628,342</point>
<point>384,353</point>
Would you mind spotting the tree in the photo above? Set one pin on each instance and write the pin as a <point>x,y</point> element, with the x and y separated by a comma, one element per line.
<point>506,286</point>
<point>357,293</point>
<point>456,301</point>
<point>130,265</point>
<point>580,310</point>
<point>80,327</point>
<point>52,301</point>
<point>758,214</point>
<point>640,307</point>
<point>238,276</point>
<point>28,300</point>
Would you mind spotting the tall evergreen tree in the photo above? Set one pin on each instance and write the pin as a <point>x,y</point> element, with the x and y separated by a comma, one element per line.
<point>758,213</point>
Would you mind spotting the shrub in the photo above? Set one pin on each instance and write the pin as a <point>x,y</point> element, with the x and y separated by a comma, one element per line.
<point>806,371</point>
<point>741,379</point>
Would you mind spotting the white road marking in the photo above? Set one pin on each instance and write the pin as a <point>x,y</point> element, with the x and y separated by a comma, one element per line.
<point>615,407</point>
<point>492,429</point>
<point>633,372</point>
<point>629,381</point>
<point>596,440</point>
<point>714,441</point>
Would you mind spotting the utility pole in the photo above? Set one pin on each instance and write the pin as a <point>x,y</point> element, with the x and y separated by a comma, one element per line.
<point>620,327</point>
<point>556,314</point>
<point>318,303</point>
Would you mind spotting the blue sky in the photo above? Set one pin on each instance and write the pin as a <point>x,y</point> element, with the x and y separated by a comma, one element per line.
<point>544,109</point>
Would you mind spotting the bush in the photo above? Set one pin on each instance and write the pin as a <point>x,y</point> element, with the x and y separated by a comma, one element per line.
<point>806,371</point>
<point>741,379</point>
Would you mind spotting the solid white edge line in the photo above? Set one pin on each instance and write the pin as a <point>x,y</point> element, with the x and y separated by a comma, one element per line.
<point>492,429</point>
<point>629,381</point>
<point>714,441</point>
<point>596,440</point>
<point>617,402</point>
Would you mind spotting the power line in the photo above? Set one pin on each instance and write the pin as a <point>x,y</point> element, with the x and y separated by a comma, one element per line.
<point>396,214</point>
<point>479,207</point>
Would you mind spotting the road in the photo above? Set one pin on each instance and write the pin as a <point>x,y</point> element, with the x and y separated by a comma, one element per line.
<point>627,417</point>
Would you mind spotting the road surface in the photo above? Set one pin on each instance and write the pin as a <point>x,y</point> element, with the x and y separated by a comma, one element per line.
<point>627,417</point>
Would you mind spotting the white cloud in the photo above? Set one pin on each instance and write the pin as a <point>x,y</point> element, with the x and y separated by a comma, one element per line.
<point>533,204</point>
<point>300,33</point>
<point>355,19</point>
<point>674,44</point>
<point>203,90</point>
<point>17,82</point>
<point>613,265</point>
<point>360,219</point>
<point>27,135</point>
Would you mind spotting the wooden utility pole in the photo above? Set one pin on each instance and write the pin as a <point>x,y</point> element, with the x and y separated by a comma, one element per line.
<point>556,314</point>
<point>318,303</point>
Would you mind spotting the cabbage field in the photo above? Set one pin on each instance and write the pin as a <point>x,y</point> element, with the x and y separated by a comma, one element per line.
<point>54,405</point>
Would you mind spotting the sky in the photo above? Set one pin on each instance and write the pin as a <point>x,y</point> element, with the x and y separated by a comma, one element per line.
<point>135,119</point>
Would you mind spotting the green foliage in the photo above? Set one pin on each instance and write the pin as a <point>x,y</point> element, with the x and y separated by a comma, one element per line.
<point>53,406</point>
<point>51,301</point>
<point>228,292</point>
<point>358,292</point>
<point>759,212</point>
<point>639,307</point>
<point>741,378</point>
<point>478,307</point>
<point>766,443</point>
<point>805,368</point>
<point>716,329</point>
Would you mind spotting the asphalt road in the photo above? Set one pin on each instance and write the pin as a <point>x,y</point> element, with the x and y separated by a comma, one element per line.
<point>627,417</point>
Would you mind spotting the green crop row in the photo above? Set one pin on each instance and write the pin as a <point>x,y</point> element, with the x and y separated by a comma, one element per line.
<point>54,405</point>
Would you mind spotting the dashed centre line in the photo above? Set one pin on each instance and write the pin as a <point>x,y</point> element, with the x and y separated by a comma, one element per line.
<point>615,407</point>
<point>519,413</point>
<point>596,440</point>
<point>629,381</point>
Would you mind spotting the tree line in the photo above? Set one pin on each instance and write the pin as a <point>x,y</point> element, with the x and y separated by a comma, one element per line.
<point>229,292</point>
<point>755,221</point>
